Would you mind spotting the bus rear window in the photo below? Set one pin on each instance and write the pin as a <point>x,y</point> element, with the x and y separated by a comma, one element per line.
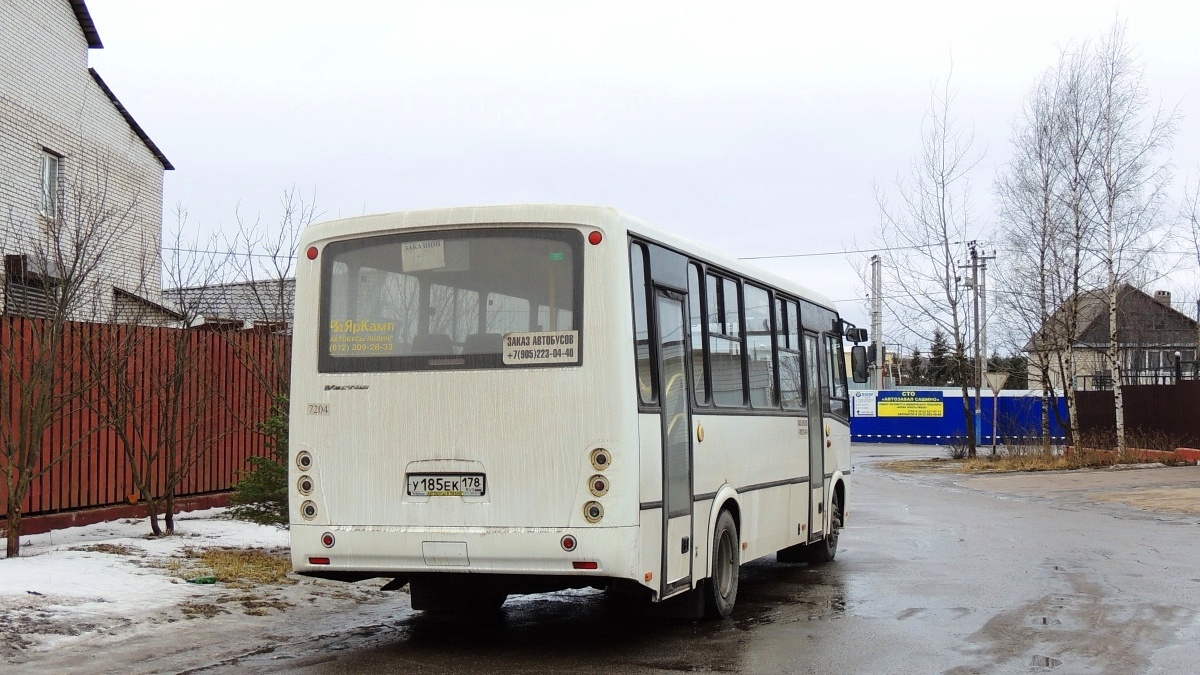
<point>494,298</point>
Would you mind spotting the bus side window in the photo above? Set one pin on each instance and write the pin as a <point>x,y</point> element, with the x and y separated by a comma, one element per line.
<point>641,327</point>
<point>787,336</point>
<point>725,342</point>
<point>759,348</point>
<point>695,309</point>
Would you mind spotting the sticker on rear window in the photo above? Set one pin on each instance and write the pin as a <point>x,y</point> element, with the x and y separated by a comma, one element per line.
<point>560,346</point>
<point>423,255</point>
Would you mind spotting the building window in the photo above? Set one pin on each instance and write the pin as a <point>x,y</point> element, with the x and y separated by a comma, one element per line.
<point>49,184</point>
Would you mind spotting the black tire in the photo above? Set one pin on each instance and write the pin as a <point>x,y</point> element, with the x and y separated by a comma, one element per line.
<point>825,550</point>
<point>720,589</point>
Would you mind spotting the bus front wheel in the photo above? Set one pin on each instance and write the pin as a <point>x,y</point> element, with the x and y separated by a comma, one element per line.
<point>721,588</point>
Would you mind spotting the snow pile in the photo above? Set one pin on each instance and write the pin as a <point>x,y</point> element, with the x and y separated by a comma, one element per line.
<point>98,579</point>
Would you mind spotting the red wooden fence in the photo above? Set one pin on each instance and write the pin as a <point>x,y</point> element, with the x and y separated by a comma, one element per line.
<point>226,397</point>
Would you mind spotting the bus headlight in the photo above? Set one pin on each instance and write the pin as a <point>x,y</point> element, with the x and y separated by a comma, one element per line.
<point>593,512</point>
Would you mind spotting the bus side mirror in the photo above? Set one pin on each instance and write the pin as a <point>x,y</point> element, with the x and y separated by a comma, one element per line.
<point>858,363</point>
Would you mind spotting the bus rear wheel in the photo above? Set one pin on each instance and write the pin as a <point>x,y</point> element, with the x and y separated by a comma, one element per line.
<point>720,590</point>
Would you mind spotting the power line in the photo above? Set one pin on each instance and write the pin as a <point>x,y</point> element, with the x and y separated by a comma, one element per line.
<point>921,246</point>
<point>862,250</point>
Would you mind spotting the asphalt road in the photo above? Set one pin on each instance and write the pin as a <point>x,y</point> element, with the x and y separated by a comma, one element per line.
<point>1071,572</point>
<point>936,573</point>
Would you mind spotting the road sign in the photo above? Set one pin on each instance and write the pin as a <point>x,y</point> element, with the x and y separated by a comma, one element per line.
<point>995,380</point>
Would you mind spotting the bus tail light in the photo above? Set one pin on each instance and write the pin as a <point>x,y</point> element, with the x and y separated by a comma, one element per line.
<point>585,565</point>
<point>601,459</point>
<point>593,512</point>
<point>304,460</point>
<point>594,237</point>
<point>318,561</point>
<point>305,485</point>
<point>312,253</point>
<point>308,509</point>
<point>327,540</point>
<point>598,485</point>
<point>569,543</point>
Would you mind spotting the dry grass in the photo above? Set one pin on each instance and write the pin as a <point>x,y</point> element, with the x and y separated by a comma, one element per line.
<point>919,465</point>
<point>113,549</point>
<point>244,567</point>
<point>1017,457</point>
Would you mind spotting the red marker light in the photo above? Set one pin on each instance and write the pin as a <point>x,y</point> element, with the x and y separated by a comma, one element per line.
<point>585,565</point>
<point>312,253</point>
<point>569,543</point>
<point>318,561</point>
<point>594,237</point>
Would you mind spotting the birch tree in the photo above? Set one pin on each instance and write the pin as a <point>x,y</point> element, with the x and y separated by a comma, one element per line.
<point>1032,222</point>
<point>1130,181</point>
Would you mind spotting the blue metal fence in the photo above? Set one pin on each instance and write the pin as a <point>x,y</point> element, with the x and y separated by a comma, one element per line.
<point>914,416</point>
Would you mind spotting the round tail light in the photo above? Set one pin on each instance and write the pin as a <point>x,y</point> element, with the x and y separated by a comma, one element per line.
<point>569,543</point>
<point>304,460</point>
<point>305,485</point>
<point>327,540</point>
<point>598,485</point>
<point>601,459</point>
<point>309,510</point>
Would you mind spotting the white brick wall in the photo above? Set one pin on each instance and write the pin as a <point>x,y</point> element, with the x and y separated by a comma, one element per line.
<point>49,100</point>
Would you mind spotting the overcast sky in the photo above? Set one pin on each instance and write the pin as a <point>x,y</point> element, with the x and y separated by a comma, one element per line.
<point>755,128</point>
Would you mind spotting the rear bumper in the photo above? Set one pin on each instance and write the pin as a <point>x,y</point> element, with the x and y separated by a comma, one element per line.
<point>399,551</point>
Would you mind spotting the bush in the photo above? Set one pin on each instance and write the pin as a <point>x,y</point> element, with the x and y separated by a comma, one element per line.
<point>261,493</point>
<point>958,448</point>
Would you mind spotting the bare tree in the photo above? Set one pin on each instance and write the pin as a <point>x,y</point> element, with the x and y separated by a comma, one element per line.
<point>1191,215</point>
<point>142,365</point>
<point>923,233</point>
<point>1032,222</point>
<point>1129,192</point>
<point>52,270</point>
<point>1048,226</point>
<point>262,266</point>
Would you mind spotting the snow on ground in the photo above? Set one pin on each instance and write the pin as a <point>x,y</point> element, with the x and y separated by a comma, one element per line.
<point>111,579</point>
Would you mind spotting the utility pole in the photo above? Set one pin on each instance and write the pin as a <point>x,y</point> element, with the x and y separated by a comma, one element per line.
<point>877,321</point>
<point>975,290</point>
<point>978,284</point>
<point>983,315</point>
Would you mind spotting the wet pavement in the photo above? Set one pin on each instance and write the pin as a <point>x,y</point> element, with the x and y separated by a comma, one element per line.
<point>1065,572</point>
<point>936,573</point>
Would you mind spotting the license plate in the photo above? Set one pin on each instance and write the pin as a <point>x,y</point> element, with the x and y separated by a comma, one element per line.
<point>445,484</point>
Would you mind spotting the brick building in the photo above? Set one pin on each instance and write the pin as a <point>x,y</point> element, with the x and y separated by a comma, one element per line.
<point>72,160</point>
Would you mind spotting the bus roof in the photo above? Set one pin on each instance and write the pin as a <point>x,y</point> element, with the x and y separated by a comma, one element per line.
<point>605,218</point>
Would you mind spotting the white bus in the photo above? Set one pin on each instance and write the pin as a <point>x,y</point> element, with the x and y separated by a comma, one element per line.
<point>519,399</point>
